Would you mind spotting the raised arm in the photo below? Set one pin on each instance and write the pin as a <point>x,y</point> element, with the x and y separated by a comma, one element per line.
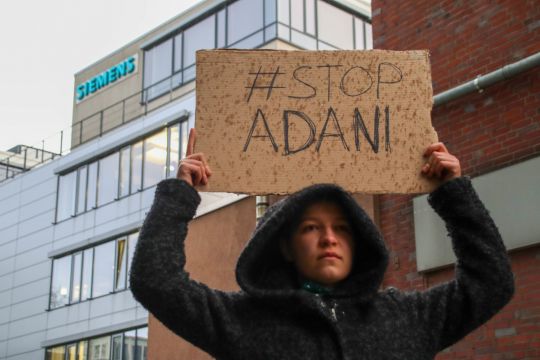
<point>483,281</point>
<point>203,316</point>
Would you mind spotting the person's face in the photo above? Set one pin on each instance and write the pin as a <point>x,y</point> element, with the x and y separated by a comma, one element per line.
<point>322,246</point>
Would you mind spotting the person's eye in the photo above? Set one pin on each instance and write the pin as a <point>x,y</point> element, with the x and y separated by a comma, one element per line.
<point>344,228</point>
<point>309,227</point>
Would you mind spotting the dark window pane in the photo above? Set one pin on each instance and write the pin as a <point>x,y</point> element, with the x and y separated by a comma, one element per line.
<point>155,158</point>
<point>158,63</point>
<point>56,353</point>
<point>92,186</point>
<point>103,269</point>
<point>132,243</point>
<point>244,18</point>
<point>199,36</point>
<point>283,11</point>
<point>117,347</point>
<point>86,287</point>
<point>60,281</point>
<point>82,348</point>
<point>124,172</point>
<point>99,349</point>
<point>142,344</point>
<point>297,15</point>
<point>121,260</point>
<point>310,17</point>
<point>108,179</point>
<point>269,11</point>
<point>76,278</point>
<point>335,26</point>
<point>359,34</point>
<point>174,150</point>
<point>81,189</point>
<point>66,196</point>
<point>178,52</point>
<point>130,340</point>
<point>136,167</point>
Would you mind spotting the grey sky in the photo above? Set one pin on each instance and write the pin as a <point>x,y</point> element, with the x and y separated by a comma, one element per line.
<point>44,43</point>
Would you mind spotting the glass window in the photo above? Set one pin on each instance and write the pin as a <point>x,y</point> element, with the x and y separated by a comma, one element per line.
<point>283,11</point>
<point>221,29</point>
<point>199,36</point>
<point>81,189</point>
<point>269,11</point>
<point>108,179</point>
<point>92,186</point>
<point>76,278</point>
<point>86,287</point>
<point>60,282</point>
<point>178,52</point>
<point>121,260</point>
<point>123,189</point>
<point>310,17</point>
<point>244,18</point>
<point>117,347</point>
<point>174,150</point>
<point>335,26</point>
<point>155,158</point>
<point>132,243</point>
<point>99,349</point>
<point>369,37</point>
<point>359,34</point>
<point>297,15</point>
<point>83,345</point>
<point>103,269</point>
<point>56,353</point>
<point>142,344</point>
<point>158,63</point>
<point>185,137</point>
<point>71,352</point>
<point>130,342</point>
<point>66,196</point>
<point>136,166</point>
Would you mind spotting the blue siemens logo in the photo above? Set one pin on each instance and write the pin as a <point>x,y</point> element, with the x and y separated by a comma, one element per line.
<point>107,77</point>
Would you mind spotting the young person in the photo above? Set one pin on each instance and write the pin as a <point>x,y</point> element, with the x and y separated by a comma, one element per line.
<point>311,274</point>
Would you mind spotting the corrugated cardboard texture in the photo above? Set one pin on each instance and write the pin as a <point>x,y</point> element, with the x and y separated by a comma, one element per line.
<point>276,121</point>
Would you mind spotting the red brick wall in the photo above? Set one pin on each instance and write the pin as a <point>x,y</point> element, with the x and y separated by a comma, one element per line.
<point>487,131</point>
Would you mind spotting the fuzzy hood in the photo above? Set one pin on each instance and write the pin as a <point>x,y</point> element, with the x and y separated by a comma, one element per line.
<point>262,270</point>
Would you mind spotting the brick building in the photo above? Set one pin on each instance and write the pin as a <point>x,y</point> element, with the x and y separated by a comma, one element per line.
<point>496,135</point>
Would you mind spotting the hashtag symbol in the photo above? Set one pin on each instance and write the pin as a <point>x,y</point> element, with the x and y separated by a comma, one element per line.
<point>269,87</point>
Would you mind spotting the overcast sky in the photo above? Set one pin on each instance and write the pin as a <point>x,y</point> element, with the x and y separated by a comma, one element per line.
<point>44,43</point>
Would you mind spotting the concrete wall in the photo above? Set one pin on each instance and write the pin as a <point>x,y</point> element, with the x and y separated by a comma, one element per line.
<point>487,131</point>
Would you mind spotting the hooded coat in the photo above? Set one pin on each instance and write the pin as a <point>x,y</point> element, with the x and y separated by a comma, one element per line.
<point>272,317</point>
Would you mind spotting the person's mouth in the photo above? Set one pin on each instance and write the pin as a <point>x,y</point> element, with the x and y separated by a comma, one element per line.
<point>329,254</point>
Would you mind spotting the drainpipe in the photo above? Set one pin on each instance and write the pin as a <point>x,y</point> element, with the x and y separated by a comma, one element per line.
<point>261,204</point>
<point>483,81</point>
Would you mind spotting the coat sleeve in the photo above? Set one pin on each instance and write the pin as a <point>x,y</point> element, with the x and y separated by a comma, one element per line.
<point>483,281</point>
<point>202,316</point>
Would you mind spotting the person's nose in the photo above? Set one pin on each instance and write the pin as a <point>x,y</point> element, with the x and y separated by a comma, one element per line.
<point>328,237</point>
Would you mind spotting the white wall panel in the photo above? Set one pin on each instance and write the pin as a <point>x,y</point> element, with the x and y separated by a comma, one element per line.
<point>25,344</point>
<point>8,234</point>
<point>8,250</point>
<point>35,239</point>
<point>47,186</point>
<point>28,325</point>
<point>7,266</point>
<point>39,206</point>
<point>31,290</point>
<point>32,257</point>
<point>510,194</point>
<point>27,308</point>
<point>8,205</point>
<point>38,222</point>
<point>10,187</point>
<point>6,282</point>
<point>32,273</point>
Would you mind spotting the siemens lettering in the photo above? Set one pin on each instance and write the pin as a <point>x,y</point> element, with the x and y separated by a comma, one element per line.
<point>107,77</point>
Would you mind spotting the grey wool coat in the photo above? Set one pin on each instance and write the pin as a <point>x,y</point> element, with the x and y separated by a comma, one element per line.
<point>272,317</point>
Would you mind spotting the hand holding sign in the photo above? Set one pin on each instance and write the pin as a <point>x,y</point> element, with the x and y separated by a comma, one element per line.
<point>193,168</point>
<point>440,163</point>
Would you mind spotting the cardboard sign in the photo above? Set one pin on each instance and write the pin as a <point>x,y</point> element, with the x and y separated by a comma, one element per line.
<point>272,122</point>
